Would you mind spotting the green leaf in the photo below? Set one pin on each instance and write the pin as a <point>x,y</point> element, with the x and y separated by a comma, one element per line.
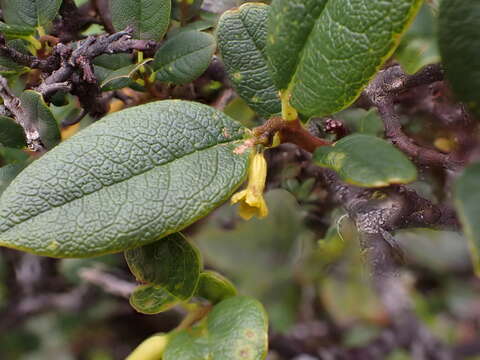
<point>459,46</point>
<point>172,263</point>
<point>151,299</point>
<point>16,30</point>
<point>8,173</point>
<point>126,181</point>
<point>198,25</point>
<point>365,160</point>
<point>236,328</point>
<point>150,18</point>
<point>30,12</point>
<point>290,24</point>
<point>113,61</point>
<point>117,79</point>
<point>192,8</point>
<point>344,45</point>
<point>184,57</point>
<point>241,35</point>
<point>215,287</point>
<point>13,156</point>
<point>11,134</point>
<point>38,112</point>
<point>467,201</point>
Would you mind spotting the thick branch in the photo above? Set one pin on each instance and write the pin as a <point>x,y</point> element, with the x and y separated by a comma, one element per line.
<point>382,93</point>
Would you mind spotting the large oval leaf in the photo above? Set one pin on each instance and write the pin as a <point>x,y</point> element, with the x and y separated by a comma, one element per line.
<point>184,57</point>
<point>171,262</point>
<point>125,181</point>
<point>467,201</point>
<point>149,18</point>
<point>459,42</point>
<point>30,12</point>
<point>366,160</point>
<point>242,39</point>
<point>236,328</point>
<point>348,42</point>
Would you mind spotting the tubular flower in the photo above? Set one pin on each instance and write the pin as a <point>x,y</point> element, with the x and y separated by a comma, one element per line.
<point>251,199</point>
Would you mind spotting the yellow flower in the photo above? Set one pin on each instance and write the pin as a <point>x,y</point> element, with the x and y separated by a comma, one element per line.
<point>251,199</point>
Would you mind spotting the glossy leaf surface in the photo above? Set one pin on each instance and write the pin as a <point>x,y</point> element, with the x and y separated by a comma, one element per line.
<point>366,160</point>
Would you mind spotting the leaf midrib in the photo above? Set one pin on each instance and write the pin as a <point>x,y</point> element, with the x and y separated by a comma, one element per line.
<point>228,142</point>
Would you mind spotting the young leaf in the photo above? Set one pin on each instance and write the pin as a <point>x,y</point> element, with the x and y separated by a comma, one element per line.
<point>129,179</point>
<point>30,12</point>
<point>151,299</point>
<point>366,160</point>
<point>117,79</point>
<point>150,18</point>
<point>348,42</point>
<point>172,263</point>
<point>215,287</point>
<point>38,111</point>
<point>459,46</point>
<point>241,37</point>
<point>184,57</point>
<point>236,328</point>
<point>467,201</point>
<point>11,134</point>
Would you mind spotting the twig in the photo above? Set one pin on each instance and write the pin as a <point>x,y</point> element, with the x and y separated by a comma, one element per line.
<point>108,282</point>
<point>29,125</point>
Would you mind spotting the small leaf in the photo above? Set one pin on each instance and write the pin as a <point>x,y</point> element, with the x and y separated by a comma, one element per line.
<point>38,111</point>
<point>16,30</point>
<point>241,35</point>
<point>125,181</point>
<point>11,134</point>
<point>8,173</point>
<point>198,25</point>
<point>172,263</point>
<point>459,43</point>
<point>215,287</point>
<point>151,299</point>
<point>120,78</point>
<point>467,201</point>
<point>365,160</point>
<point>13,156</point>
<point>236,328</point>
<point>113,61</point>
<point>325,54</point>
<point>184,57</point>
<point>30,12</point>
<point>150,18</point>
